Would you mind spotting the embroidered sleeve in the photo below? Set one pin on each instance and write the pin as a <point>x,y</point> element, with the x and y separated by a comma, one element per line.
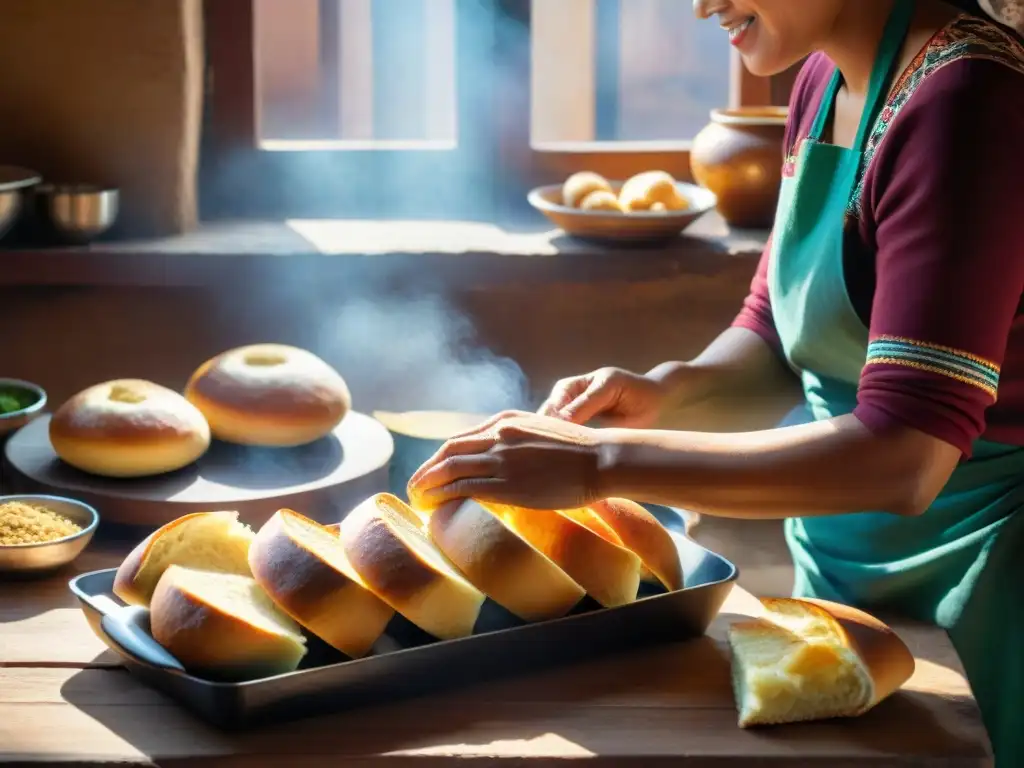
<point>945,196</point>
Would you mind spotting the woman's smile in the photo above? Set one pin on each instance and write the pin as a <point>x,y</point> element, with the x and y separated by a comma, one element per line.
<point>739,29</point>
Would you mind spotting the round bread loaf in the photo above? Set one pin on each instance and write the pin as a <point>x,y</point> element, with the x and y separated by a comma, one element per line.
<point>128,428</point>
<point>387,547</point>
<point>302,566</point>
<point>642,191</point>
<point>501,564</point>
<point>576,188</point>
<point>609,573</point>
<point>271,395</point>
<point>223,626</point>
<point>629,525</point>
<point>207,541</point>
<point>601,200</point>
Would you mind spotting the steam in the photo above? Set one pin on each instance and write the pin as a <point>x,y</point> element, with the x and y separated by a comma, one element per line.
<point>401,353</point>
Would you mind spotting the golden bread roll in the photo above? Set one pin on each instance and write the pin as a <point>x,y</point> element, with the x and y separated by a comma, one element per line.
<point>209,541</point>
<point>642,191</point>
<point>576,188</point>
<point>609,573</point>
<point>601,200</point>
<point>128,428</point>
<point>223,626</point>
<point>813,660</point>
<point>501,564</point>
<point>629,525</point>
<point>302,566</point>
<point>269,395</point>
<point>386,545</point>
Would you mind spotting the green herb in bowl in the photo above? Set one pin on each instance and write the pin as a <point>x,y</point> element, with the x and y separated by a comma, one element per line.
<point>20,402</point>
<point>13,399</point>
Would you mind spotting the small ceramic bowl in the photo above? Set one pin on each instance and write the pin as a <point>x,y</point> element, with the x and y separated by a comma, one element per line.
<point>50,555</point>
<point>614,227</point>
<point>32,398</point>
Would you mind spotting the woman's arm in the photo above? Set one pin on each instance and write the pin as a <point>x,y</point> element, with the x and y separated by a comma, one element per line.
<point>740,381</point>
<point>827,467</point>
<point>945,197</point>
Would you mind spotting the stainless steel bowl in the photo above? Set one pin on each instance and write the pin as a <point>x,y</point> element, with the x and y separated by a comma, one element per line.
<point>50,555</point>
<point>14,184</point>
<point>76,213</point>
<point>14,420</point>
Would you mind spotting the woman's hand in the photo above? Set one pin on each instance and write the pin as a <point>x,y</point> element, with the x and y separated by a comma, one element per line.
<point>516,458</point>
<point>617,397</point>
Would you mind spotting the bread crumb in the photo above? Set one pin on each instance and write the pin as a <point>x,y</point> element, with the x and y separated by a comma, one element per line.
<point>22,523</point>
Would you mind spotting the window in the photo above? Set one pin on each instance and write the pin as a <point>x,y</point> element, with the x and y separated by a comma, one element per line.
<point>450,108</point>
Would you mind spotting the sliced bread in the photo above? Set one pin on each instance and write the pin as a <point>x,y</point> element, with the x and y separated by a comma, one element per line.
<point>627,524</point>
<point>223,626</point>
<point>502,564</point>
<point>387,546</point>
<point>813,660</point>
<point>302,566</point>
<point>209,541</point>
<point>608,572</point>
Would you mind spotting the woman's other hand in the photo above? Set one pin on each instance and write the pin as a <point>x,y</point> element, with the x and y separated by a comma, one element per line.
<point>516,458</point>
<point>617,397</point>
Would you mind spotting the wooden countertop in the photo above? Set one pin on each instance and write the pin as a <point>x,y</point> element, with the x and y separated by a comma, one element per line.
<point>64,701</point>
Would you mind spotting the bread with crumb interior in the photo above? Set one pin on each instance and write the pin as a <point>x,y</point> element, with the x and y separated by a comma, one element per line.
<point>223,626</point>
<point>209,541</point>
<point>810,659</point>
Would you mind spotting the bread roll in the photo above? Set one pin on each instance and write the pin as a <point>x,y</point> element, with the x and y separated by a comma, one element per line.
<point>642,191</point>
<point>388,548</point>
<point>601,200</point>
<point>211,541</point>
<point>303,567</point>
<point>812,660</point>
<point>501,564</point>
<point>629,525</point>
<point>609,573</point>
<point>269,395</point>
<point>581,184</point>
<point>128,428</point>
<point>223,626</point>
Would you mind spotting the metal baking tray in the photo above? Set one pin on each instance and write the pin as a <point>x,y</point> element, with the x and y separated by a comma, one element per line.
<point>407,662</point>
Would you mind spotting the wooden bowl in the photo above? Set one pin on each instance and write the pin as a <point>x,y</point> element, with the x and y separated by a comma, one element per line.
<point>613,227</point>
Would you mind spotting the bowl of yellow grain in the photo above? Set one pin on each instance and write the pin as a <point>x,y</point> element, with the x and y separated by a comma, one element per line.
<point>42,533</point>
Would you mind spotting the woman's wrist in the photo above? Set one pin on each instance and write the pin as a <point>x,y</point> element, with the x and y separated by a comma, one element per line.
<point>618,467</point>
<point>682,383</point>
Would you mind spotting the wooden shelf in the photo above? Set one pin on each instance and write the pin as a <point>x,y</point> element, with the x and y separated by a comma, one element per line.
<point>461,253</point>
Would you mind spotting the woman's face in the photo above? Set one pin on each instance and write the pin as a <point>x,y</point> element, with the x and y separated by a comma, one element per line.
<point>772,35</point>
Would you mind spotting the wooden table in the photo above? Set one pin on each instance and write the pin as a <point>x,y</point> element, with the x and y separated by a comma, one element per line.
<point>64,701</point>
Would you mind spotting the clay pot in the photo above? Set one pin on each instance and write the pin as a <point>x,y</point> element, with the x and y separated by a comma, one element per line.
<point>738,156</point>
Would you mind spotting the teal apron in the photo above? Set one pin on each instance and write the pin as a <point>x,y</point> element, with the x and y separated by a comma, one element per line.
<point>959,565</point>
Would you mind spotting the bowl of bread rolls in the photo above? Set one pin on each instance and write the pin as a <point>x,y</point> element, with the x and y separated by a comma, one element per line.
<point>651,206</point>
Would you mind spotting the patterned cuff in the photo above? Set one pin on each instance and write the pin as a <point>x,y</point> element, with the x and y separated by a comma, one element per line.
<point>934,358</point>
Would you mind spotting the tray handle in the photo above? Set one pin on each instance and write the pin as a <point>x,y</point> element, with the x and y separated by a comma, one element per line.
<point>129,639</point>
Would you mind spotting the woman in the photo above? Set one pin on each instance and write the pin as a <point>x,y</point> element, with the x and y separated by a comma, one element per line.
<point>892,288</point>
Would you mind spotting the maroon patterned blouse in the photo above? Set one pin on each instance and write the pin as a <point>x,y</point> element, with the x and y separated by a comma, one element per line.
<point>934,254</point>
